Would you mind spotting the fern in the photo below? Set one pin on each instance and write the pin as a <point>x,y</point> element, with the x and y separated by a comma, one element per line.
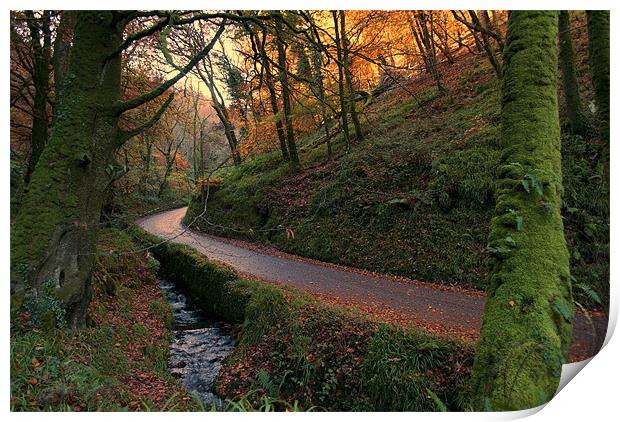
<point>589,292</point>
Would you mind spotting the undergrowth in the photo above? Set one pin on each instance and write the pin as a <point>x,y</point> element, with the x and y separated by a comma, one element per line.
<point>118,362</point>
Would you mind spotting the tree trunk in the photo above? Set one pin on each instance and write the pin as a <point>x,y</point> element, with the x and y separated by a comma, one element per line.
<point>527,323</point>
<point>359,135</point>
<point>229,132</point>
<point>486,44</point>
<point>317,75</point>
<point>598,46</point>
<point>341,93</point>
<point>53,237</point>
<point>274,100</point>
<point>577,119</point>
<point>429,43</point>
<point>62,49</point>
<point>286,99</point>
<point>41,46</point>
<point>219,106</point>
<point>146,176</point>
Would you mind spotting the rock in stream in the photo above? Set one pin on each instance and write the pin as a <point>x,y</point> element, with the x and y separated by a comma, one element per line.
<point>200,345</point>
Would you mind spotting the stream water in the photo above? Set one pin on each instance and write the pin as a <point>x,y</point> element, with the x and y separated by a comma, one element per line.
<point>200,345</point>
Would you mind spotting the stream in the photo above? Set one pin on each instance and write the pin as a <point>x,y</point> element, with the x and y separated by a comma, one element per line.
<point>200,345</point>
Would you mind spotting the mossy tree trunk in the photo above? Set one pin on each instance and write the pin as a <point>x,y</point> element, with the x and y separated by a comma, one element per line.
<point>575,112</point>
<point>598,45</point>
<point>526,330</point>
<point>317,76</point>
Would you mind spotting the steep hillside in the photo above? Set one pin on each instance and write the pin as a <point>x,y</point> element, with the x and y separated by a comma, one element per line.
<point>416,196</point>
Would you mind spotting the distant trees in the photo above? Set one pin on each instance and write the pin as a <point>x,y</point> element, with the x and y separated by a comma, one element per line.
<point>527,323</point>
<point>598,47</point>
<point>483,31</point>
<point>421,25</point>
<point>577,119</point>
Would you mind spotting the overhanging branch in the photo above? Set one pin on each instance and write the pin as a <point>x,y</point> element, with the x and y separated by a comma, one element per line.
<point>124,136</point>
<point>151,95</point>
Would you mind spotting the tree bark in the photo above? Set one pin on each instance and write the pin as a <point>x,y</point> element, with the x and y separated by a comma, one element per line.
<point>476,28</point>
<point>359,135</point>
<point>317,75</point>
<point>341,93</point>
<point>219,106</point>
<point>598,46</point>
<point>286,96</point>
<point>41,46</point>
<point>575,113</point>
<point>527,322</point>
<point>486,44</point>
<point>62,49</point>
<point>429,44</point>
<point>273,98</point>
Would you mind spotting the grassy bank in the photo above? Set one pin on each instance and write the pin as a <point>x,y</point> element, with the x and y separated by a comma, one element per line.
<point>416,196</point>
<point>118,362</point>
<point>297,349</point>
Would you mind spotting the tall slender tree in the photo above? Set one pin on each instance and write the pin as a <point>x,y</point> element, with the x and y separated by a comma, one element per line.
<point>359,135</point>
<point>259,47</point>
<point>286,95</point>
<point>40,39</point>
<point>598,46</point>
<point>575,112</point>
<point>527,323</point>
<point>482,35</point>
<point>341,90</point>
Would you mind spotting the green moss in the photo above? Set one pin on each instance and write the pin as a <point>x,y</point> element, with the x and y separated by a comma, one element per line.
<point>524,340</point>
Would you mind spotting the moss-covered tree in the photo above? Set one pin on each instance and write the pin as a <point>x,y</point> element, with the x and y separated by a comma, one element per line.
<point>598,46</point>
<point>575,113</point>
<point>53,237</point>
<point>526,330</point>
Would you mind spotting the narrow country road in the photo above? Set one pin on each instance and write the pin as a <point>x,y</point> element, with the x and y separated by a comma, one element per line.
<point>452,311</point>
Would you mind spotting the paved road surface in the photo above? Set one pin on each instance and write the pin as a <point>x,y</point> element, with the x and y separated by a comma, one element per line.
<point>446,310</point>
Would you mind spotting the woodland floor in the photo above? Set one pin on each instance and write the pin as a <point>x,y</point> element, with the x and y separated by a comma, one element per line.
<point>446,310</point>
